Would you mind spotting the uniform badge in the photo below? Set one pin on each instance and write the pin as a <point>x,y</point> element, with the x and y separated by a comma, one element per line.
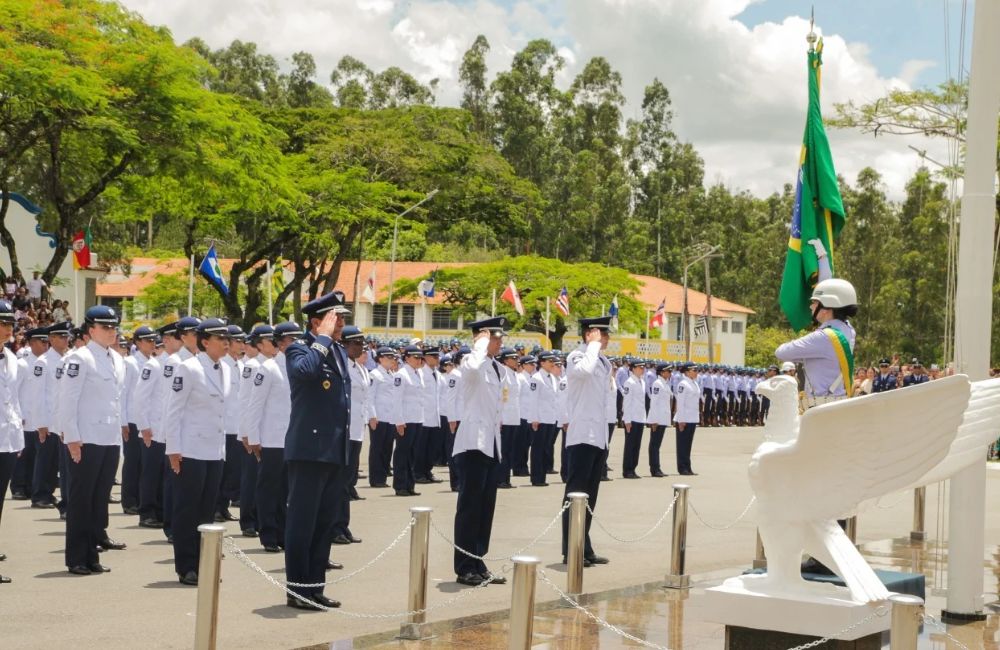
<point>624,390</point>
<point>38,371</point>
<point>59,372</point>
<point>178,384</point>
<point>397,381</point>
<point>680,389</point>
<point>656,390</point>
<point>562,386</point>
<point>73,369</point>
<point>146,372</point>
<point>259,379</point>
<point>326,384</point>
<point>534,386</point>
<point>168,371</point>
<point>451,383</point>
<point>247,372</point>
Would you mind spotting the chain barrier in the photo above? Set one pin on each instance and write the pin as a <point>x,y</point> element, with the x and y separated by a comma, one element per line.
<point>633,540</point>
<point>933,622</point>
<point>881,610</point>
<point>594,617</point>
<point>253,566</point>
<point>520,551</point>
<point>738,519</point>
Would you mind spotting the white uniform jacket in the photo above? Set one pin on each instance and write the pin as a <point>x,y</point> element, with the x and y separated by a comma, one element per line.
<point>11,431</point>
<point>134,364</point>
<point>544,403</point>
<point>145,395</point>
<point>561,402</point>
<point>270,405</point>
<point>90,399</point>
<point>54,363</point>
<point>409,391</point>
<point>384,403</point>
<point>433,386</point>
<point>31,391</point>
<point>450,405</point>
<point>634,400</point>
<point>231,421</point>
<point>688,402</point>
<point>250,367</point>
<point>480,399</point>
<point>510,413</point>
<point>361,400</point>
<point>590,386</point>
<point>196,405</point>
<point>525,394</point>
<point>156,409</point>
<point>659,403</point>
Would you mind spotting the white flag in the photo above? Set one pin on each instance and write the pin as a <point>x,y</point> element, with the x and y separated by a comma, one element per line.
<point>368,293</point>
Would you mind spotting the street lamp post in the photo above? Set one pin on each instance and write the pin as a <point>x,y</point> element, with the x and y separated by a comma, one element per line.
<point>392,260</point>
<point>710,253</point>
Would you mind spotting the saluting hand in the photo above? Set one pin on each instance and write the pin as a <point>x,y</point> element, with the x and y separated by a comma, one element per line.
<point>75,451</point>
<point>593,336</point>
<point>328,325</point>
<point>175,463</point>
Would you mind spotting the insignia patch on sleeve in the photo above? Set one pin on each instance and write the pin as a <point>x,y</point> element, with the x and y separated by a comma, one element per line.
<point>534,386</point>
<point>38,371</point>
<point>72,369</point>
<point>259,379</point>
<point>168,371</point>
<point>59,372</point>
<point>656,390</point>
<point>247,372</point>
<point>146,372</point>
<point>178,384</point>
<point>451,383</point>
<point>680,389</point>
<point>397,381</point>
<point>624,390</point>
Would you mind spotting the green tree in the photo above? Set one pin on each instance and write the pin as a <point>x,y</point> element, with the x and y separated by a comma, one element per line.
<point>475,88</point>
<point>761,342</point>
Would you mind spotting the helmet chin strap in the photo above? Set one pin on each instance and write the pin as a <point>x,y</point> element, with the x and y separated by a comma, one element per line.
<point>815,313</point>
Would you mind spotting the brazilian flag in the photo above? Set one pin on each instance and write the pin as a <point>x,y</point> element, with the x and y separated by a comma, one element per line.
<point>818,212</point>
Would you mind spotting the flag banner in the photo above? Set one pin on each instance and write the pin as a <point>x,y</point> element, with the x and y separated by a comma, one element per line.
<point>81,249</point>
<point>511,295</point>
<point>701,327</point>
<point>818,212</point>
<point>562,302</point>
<point>613,312</point>
<point>426,287</point>
<point>212,271</point>
<point>368,293</point>
<point>659,317</point>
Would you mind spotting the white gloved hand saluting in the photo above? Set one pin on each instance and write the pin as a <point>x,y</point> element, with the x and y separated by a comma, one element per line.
<point>818,245</point>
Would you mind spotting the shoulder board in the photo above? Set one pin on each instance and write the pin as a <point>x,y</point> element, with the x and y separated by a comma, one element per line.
<point>322,349</point>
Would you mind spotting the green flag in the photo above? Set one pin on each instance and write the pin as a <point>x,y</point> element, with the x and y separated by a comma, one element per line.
<point>818,212</point>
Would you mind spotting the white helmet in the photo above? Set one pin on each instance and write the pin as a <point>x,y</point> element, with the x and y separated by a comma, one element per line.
<point>786,366</point>
<point>835,293</point>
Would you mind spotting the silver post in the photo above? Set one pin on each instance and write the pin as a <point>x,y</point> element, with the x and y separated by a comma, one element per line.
<point>522,602</point>
<point>918,534</point>
<point>209,565</point>
<point>760,560</point>
<point>677,579</point>
<point>852,529</point>
<point>414,628</point>
<point>574,547</point>
<point>907,613</point>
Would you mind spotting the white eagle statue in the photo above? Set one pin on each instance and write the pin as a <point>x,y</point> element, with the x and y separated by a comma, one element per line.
<point>817,468</point>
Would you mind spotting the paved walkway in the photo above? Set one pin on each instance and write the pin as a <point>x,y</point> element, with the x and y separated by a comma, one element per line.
<point>140,603</point>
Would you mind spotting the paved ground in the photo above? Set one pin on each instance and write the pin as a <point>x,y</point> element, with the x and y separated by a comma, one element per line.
<point>140,603</point>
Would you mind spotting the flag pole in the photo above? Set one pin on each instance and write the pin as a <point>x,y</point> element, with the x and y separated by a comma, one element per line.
<point>548,339</point>
<point>603,310</point>
<point>191,287</point>
<point>270,286</point>
<point>647,324</point>
<point>493,307</point>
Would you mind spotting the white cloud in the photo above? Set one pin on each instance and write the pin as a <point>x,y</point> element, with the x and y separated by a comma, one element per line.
<point>739,93</point>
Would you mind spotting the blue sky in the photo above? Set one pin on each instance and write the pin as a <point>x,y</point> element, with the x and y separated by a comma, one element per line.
<point>896,31</point>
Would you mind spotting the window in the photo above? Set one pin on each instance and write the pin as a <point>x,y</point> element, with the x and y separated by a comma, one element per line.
<point>379,313</point>
<point>443,318</point>
<point>408,311</point>
<point>737,327</point>
<point>725,326</point>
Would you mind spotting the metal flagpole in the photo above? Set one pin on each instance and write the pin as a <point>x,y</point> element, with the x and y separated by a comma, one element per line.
<point>270,286</point>
<point>647,324</point>
<point>191,287</point>
<point>548,338</point>
<point>493,304</point>
<point>392,261</point>
<point>974,309</point>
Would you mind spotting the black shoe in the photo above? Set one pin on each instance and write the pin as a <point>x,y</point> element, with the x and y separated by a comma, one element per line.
<point>150,522</point>
<point>551,471</point>
<point>657,473</point>
<point>357,497</point>
<point>422,481</point>
<point>2,557</point>
<point>190,578</point>
<point>131,510</point>
<point>471,579</point>
<point>80,570</point>
<point>235,503</point>
<point>606,478</point>
<point>62,516</point>
<point>292,601</point>
<point>333,566</point>
<point>111,545</point>
<point>4,580</point>
<point>114,500</point>
<point>97,567</point>
<point>272,548</point>
<point>18,496</point>
<point>631,475</point>
<point>219,518</point>
<point>539,485</point>
<point>354,540</point>
<point>586,563</point>
<point>688,473</point>
<point>226,516</point>
<point>341,539</point>
<point>380,485</point>
<point>170,539</point>
<point>45,505</point>
<point>493,579</point>
<point>329,603</point>
<point>250,532</point>
<point>434,479</point>
<point>597,559</point>
<point>413,493</point>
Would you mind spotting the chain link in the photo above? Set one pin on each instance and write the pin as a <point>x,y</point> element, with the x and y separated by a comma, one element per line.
<point>594,617</point>
<point>633,540</point>
<point>520,551</point>
<point>738,519</point>
<point>881,610</point>
<point>253,566</point>
<point>933,622</point>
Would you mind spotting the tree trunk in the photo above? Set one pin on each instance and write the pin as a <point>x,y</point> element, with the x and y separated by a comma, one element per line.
<point>5,237</point>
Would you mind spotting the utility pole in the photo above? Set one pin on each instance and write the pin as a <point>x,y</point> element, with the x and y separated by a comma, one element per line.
<point>703,252</point>
<point>708,308</point>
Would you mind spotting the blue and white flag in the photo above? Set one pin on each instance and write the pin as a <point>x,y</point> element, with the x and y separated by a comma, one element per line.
<point>613,312</point>
<point>426,287</point>
<point>212,271</point>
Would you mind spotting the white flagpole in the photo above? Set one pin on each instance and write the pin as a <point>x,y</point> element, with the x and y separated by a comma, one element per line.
<point>270,285</point>
<point>191,287</point>
<point>493,308</point>
<point>424,301</point>
<point>647,324</point>
<point>602,310</point>
<point>548,338</point>
<point>78,306</point>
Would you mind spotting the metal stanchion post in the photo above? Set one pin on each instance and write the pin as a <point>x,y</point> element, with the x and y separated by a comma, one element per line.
<point>852,529</point>
<point>416,599</point>
<point>574,547</point>
<point>907,612</point>
<point>918,534</point>
<point>209,566</point>
<point>760,560</point>
<point>522,602</point>
<point>677,579</point>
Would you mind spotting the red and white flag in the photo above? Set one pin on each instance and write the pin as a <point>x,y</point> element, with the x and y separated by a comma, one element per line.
<point>368,293</point>
<point>511,295</point>
<point>562,302</point>
<point>660,315</point>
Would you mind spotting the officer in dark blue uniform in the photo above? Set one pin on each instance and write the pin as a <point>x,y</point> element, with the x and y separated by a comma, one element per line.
<point>884,380</point>
<point>317,446</point>
<point>917,374</point>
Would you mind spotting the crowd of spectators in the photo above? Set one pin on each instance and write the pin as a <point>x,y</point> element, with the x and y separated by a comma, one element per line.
<point>32,305</point>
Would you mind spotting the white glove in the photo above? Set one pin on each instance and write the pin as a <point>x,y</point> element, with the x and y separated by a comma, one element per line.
<point>818,245</point>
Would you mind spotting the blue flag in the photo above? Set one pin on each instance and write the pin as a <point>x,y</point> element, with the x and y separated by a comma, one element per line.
<point>426,287</point>
<point>212,271</point>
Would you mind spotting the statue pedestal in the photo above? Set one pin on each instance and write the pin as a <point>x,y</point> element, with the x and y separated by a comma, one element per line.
<point>760,619</point>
